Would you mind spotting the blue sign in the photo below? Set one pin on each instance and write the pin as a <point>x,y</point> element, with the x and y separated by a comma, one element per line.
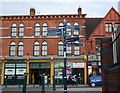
<point>72,39</point>
<point>73,27</point>
<point>56,32</point>
<point>75,44</point>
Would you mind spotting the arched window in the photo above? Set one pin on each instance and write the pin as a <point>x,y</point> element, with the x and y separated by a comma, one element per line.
<point>37,30</point>
<point>69,50</point>
<point>44,49</point>
<point>13,32</point>
<point>77,49</point>
<point>21,30</point>
<point>44,29</point>
<point>12,49</point>
<point>20,49</point>
<point>68,30</point>
<point>36,49</point>
<point>60,25</point>
<point>60,48</point>
<point>76,32</point>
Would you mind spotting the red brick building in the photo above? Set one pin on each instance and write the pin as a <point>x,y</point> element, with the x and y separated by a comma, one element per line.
<point>98,29</point>
<point>27,48</point>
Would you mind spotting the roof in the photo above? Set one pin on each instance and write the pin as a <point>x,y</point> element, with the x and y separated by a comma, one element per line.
<point>91,24</point>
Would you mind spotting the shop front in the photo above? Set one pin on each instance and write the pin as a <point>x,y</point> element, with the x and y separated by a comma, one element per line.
<point>73,68</point>
<point>14,72</point>
<point>37,70</point>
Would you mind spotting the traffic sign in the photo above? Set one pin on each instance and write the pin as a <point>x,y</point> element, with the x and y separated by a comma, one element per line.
<point>73,27</point>
<point>76,44</point>
<point>56,32</point>
<point>72,39</point>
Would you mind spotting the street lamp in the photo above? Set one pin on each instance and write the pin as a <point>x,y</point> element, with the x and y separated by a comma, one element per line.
<point>65,77</point>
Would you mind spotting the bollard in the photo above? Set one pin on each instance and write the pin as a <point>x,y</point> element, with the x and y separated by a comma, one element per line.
<point>54,83</point>
<point>19,82</point>
<point>24,83</point>
<point>48,82</point>
<point>43,85</point>
<point>6,81</point>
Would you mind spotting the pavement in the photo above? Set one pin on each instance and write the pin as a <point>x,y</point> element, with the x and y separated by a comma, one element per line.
<point>59,89</point>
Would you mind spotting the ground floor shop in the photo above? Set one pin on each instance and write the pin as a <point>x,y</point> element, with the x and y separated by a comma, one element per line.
<point>13,70</point>
<point>94,67</point>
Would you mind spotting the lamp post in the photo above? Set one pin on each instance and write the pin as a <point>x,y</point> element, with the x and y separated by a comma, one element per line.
<point>65,77</point>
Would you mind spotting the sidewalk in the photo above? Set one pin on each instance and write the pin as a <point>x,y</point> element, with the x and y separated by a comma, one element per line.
<point>59,88</point>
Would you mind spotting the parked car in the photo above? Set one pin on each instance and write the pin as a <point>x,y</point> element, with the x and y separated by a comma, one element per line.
<point>95,80</point>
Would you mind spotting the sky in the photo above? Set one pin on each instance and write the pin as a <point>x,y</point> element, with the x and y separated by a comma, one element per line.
<point>93,8</point>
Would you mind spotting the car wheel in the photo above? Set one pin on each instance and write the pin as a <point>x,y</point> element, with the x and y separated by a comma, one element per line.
<point>93,84</point>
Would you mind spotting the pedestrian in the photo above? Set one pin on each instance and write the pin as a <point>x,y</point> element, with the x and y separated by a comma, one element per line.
<point>74,81</point>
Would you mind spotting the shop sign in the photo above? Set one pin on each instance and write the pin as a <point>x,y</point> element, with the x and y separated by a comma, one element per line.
<point>15,60</point>
<point>20,71</point>
<point>21,65</point>
<point>9,71</point>
<point>78,65</point>
<point>94,63</point>
<point>10,65</point>
<point>61,64</point>
<point>93,58</point>
<point>56,64</point>
<point>68,70</point>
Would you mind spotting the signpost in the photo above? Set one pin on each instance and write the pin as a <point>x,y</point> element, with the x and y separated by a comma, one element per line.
<point>76,44</point>
<point>72,39</point>
<point>62,32</point>
<point>56,32</point>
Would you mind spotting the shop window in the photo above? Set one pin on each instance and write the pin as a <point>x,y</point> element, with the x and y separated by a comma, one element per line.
<point>14,28</point>
<point>12,49</point>
<point>21,30</point>
<point>44,49</point>
<point>44,29</point>
<point>60,48</point>
<point>20,49</point>
<point>37,30</point>
<point>36,49</point>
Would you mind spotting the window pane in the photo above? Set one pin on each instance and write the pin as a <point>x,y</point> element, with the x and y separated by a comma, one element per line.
<point>13,31</point>
<point>37,31</point>
<point>44,31</point>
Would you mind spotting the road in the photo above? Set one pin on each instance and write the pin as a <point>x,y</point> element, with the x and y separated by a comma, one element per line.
<point>59,89</point>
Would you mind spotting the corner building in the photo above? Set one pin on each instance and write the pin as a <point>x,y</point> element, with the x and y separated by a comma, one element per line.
<point>26,47</point>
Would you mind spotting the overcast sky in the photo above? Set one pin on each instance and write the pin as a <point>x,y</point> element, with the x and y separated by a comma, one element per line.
<point>93,8</point>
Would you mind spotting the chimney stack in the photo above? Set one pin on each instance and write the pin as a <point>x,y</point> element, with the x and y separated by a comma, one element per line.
<point>79,11</point>
<point>32,11</point>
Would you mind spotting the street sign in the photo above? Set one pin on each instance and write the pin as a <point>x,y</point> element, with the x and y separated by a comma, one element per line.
<point>76,44</point>
<point>56,32</point>
<point>72,39</point>
<point>73,27</point>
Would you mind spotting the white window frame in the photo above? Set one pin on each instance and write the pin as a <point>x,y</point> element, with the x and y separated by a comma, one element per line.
<point>36,49</point>
<point>21,30</point>
<point>12,49</point>
<point>76,50</point>
<point>20,49</point>
<point>69,31</point>
<point>37,30</point>
<point>108,27</point>
<point>14,30</point>
<point>60,48</point>
<point>44,30</point>
<point>76,32</point>
<point>44,49</point>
